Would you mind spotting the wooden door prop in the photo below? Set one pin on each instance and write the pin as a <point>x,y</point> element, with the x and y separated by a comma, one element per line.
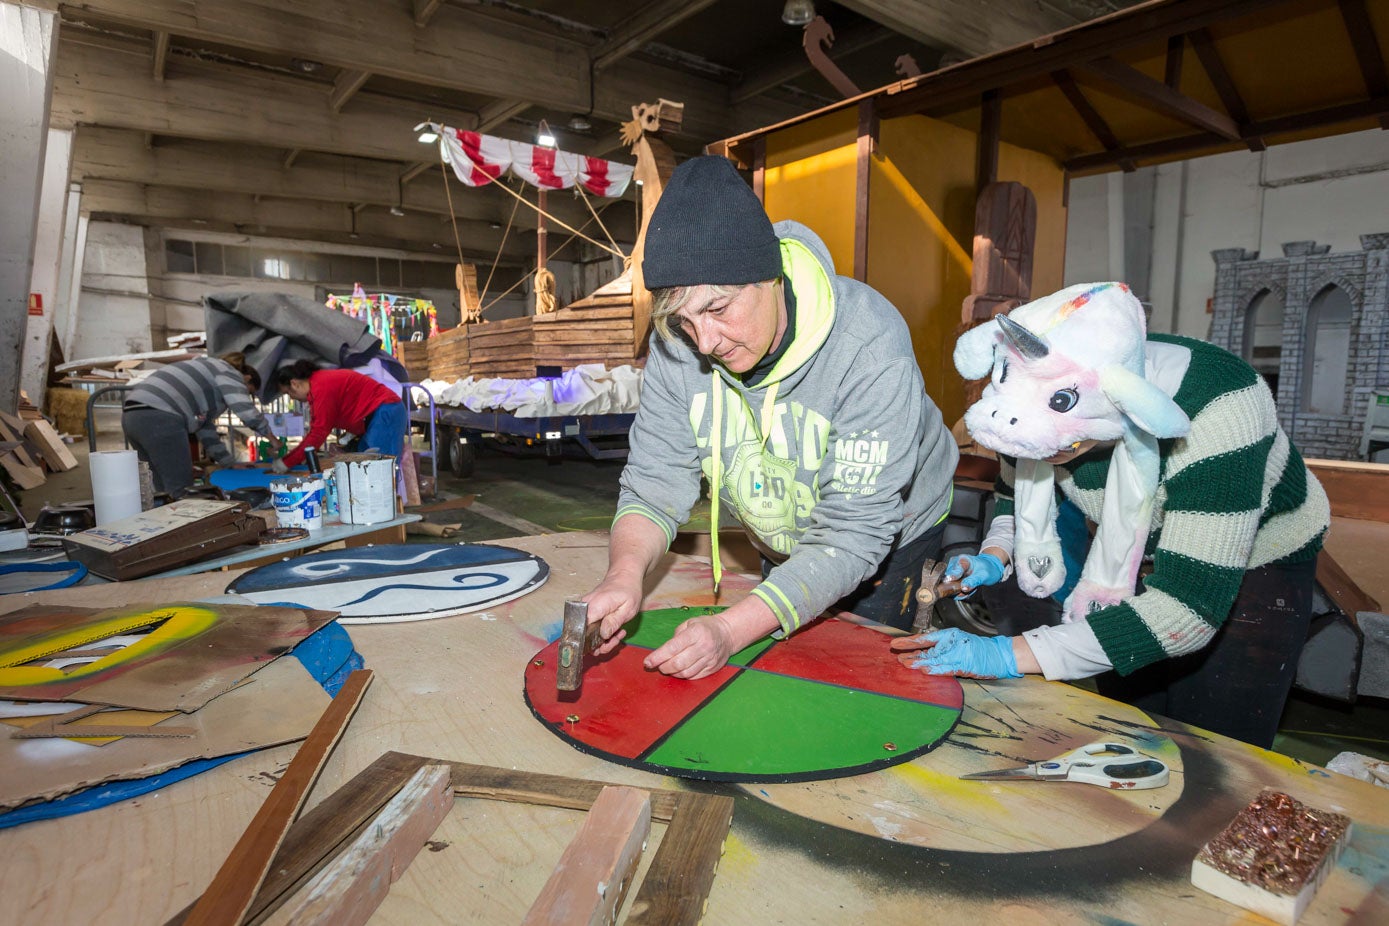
<point>397,582</point>
<point>673,893</point>
<point>826,702</point>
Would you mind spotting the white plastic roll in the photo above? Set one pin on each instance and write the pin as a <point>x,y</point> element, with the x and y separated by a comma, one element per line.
<point>115,484</point>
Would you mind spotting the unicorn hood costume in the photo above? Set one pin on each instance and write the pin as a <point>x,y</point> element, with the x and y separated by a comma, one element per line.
<point>1067,369</point>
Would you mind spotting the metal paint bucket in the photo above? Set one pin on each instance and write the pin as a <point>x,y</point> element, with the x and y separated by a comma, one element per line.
<point>298,501</point>
<point>366,490</point>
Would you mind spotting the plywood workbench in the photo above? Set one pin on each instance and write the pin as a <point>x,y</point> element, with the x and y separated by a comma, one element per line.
<point>907,845</point>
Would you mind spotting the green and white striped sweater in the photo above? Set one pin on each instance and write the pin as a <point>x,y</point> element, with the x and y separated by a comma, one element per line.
<point>1233,495</point>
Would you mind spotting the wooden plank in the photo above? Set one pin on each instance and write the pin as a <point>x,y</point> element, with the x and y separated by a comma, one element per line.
<point>677,883</point>
<point>1356,490</point>
<point>1089,115</point>
<point>350,889</point>
<point>1360,30</point>
<point>986,150</point>
<point>234,887</point>
<point>1157,95</point>
<point>1341,588</point>
<point>863,171</point>
<point>598,311</point>
<point>1172,70</point>
<point>1224,84</point>
<point>590,882</point>
<point>49,445</point>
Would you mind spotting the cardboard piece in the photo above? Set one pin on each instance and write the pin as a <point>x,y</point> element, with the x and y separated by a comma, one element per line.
<point>279,705</point>
<point>195,652</point>
<point>50,446</point>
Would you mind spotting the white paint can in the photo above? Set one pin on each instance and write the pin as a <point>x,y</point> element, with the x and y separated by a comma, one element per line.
<point>366,490</point>
<point>298,501</point>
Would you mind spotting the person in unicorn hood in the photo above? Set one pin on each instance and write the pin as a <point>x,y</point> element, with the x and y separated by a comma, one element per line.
<point>795,393</point>
<point>1172,448</point>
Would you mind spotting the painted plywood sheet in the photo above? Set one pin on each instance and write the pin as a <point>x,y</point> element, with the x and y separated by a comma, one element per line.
<point>397,582</point>
<point>278,704</point>
<point>185,655</point>
<point>824,703</point>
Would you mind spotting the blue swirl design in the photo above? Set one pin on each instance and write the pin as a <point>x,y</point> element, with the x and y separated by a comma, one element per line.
<point>490,579</point>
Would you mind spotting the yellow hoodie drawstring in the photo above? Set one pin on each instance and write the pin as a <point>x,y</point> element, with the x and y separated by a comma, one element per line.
<point>716,461</point>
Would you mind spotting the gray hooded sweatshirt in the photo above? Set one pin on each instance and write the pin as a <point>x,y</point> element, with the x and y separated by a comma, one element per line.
<point>835,458</point>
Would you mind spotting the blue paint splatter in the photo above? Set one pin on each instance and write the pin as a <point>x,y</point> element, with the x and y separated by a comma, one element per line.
<point>551,632</point>
<point>1367,854</point>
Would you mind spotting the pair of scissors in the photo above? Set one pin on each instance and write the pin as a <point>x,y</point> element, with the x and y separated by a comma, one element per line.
<point>1109,765</point>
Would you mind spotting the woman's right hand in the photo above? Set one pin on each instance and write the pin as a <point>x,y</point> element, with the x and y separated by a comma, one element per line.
<point>615,601</point>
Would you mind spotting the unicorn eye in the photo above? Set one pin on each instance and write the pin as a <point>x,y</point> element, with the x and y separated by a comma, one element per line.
<point>1003,373</point>
<point>1063,400</point>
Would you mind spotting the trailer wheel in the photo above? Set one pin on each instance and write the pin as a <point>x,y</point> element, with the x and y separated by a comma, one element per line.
<point>462,455</point>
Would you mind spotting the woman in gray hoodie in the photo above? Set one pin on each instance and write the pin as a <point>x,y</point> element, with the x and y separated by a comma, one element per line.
<point>829,452</point>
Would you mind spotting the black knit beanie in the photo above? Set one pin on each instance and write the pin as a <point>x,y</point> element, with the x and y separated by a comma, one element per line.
<point>709,228</point>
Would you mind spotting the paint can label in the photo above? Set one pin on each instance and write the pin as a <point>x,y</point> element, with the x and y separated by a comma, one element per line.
<point>298,502</point>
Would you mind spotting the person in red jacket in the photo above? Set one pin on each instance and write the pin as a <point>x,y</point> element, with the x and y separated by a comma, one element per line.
<point>342,399</point>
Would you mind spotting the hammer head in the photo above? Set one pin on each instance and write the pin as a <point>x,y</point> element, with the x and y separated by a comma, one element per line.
<point>575,640</point>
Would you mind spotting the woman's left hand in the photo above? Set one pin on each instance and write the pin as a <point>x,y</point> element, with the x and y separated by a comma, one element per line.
<point>700,647</point>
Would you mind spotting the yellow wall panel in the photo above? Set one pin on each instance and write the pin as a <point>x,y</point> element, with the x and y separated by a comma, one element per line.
<point>810,177</point>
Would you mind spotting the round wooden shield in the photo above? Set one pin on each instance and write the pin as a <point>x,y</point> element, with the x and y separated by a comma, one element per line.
<point>829,701</point>
<point>397,582</point>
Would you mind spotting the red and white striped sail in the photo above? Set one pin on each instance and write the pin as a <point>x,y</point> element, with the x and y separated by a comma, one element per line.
<point>476,157</point>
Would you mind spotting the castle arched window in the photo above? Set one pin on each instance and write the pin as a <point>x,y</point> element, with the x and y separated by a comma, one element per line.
<point>1263,336</point>
<point>1326,355</point>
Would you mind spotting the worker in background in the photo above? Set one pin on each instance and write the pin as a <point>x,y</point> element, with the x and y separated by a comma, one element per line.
<point>1172,447</point>
<point>187,398</point>
<point>346,400</point>
<point>795,393</point>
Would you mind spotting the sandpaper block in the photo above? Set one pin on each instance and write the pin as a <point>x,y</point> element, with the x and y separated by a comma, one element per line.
<point>1272,857</point>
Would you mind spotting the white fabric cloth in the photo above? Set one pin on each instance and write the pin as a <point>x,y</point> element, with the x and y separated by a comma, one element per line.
<point>589,389</point>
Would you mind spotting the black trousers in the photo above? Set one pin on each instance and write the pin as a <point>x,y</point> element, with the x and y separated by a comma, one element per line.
<point>1236,685</point>
<point>160,438</point>
<point>889,595</point>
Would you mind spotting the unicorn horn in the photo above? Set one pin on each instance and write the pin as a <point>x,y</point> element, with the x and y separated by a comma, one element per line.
<point>1029,345</point>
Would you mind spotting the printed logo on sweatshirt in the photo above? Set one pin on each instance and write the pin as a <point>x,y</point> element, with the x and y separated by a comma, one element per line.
<point>859,459</point>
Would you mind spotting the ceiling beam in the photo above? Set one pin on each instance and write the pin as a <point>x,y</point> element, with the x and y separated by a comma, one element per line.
<point>347,83</point>
<point>962,24</point>
<point>466,50</point>
<point>787,67</point>
<point>116,154</point>
<point>95,84</point>
<point>161,53</point>
<point>1221,80</point>
<point>1172,70</point>
<point>1088,114</point>
<point>642,27</point>
<point>112,197</point>
<point>1156,95</point>
<point>494,114</point>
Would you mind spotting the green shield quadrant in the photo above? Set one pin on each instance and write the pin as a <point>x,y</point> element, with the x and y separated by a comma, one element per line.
<point>830,701</point>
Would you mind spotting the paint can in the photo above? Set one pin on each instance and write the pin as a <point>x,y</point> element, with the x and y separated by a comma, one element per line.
<point>298,501</point>
<point>366,490</point>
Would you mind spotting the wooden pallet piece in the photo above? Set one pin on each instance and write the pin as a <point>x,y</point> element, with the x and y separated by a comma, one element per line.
<point>590,882</point>
<point>234,887</point>
<point>49,445</point>
<point>675,891</point>
<point>684,863</point>
<point>348,890</point>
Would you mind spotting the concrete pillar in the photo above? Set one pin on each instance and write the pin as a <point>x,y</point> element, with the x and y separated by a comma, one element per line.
<point>73,227</point>
<point>49,235</point>
<point>66,322</point>
<point>28,43</point>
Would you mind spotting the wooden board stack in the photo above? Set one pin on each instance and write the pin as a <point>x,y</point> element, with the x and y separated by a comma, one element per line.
<point>448,354</point>
<point>414,355</point>
<point>595,329</point>
<point>1272,857</point>
<point>502,348</point>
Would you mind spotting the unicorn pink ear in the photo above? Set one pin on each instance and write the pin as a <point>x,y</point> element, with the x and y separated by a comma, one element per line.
<point>974,351</point>
<point>1147,406</point>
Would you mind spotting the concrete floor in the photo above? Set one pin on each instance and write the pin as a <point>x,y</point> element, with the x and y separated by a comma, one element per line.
<point>526,495</point>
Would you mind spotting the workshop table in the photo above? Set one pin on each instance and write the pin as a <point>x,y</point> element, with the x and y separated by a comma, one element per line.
<point>911,844</point>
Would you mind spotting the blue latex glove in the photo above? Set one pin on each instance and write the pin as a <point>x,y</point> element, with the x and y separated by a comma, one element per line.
<point>983,569</point>
<point>954,652</point>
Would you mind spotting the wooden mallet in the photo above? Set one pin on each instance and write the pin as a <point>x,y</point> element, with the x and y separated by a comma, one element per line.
<point>576,640</point>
